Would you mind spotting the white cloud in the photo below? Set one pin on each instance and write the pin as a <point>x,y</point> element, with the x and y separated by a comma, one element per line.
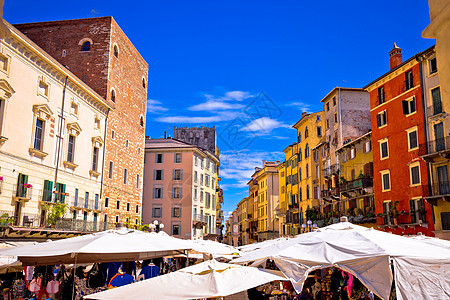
<point>238,166</point>
<point>212,105</point>
<point>263,125</point>
<point>224,102</point>
<point>154,106</point>
<point>301,106</point>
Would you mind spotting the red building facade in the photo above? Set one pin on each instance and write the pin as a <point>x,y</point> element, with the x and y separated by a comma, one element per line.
<point>400,175</point>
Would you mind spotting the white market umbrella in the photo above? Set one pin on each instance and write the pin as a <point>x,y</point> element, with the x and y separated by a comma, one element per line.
<point>364,252</point>
<point>205,280</point>
<point>106,246</point>
<point>216,249</point>
<point>256,246</point>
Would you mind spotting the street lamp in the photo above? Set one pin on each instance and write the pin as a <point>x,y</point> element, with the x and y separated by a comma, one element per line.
<point>309,224</point>
<point>156,226</point>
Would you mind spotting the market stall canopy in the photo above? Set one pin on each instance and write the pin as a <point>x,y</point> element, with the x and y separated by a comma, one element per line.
<point>256,246</point>
<point>106,246</point>
<point>364,252</point>
<point>216,249</point>
<point>205,280</point>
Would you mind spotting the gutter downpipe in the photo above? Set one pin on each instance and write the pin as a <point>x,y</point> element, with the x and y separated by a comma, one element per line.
<point>341,138</point>
<point>424,111</point>
<point>58,146</point>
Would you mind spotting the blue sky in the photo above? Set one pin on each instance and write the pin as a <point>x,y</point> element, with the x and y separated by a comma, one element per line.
<point>209,61</point>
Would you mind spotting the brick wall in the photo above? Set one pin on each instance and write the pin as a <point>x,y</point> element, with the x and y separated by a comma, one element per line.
<point>102,71</point>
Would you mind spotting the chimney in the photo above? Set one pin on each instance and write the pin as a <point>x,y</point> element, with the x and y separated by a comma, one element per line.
<point>395,56</point>
<point>165,134</point>
<point>303,114</point>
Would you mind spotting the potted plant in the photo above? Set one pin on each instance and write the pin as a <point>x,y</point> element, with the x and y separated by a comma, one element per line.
<point>55,212</point>
<point>4,219</point>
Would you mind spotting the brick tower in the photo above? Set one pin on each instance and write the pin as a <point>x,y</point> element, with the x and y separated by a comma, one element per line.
<point>100,54</point>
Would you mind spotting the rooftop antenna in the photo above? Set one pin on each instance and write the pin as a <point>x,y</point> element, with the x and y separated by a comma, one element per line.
<point>93,13</point>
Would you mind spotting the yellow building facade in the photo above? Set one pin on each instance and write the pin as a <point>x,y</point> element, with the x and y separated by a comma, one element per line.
<point>356,181</point>
<point>310,130</point>
<point>290,191</point>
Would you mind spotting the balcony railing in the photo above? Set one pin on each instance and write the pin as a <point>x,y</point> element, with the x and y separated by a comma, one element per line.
<point>200,218</point>
<point>357,184</point>
<point>335,191</point>
<point>440,188</point>
<point>434,109</point>
<point>435,146</point>
<point>330,170</point>
<point>325,193</point>
<point>82,225</point>
<point>23,191</point>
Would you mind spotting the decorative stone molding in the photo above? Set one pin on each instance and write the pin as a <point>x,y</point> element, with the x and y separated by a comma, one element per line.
<point>42,111</point>
<point>6,90</point>
<point>73,129</point>
<point>97,141</point>
<point>37,153</point>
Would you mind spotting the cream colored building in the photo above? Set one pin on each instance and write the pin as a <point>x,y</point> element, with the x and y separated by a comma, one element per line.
<point>52,128</point>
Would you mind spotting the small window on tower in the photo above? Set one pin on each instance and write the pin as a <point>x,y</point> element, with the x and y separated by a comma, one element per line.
<point>113,95</point>
<point>116,51</point>
<point>142,121</point>
<point>144,84</point>
<point>86,46</point>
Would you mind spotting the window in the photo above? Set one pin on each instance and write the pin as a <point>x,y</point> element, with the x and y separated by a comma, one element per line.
<point>306,151</point>
<point>386,180</point>
<point>157,212</point>
<point>335,118</point>
<point>409,106</point>
<point>327,124</point>
<point>144,84</point>
<point>417,211</point>
<point>334,101</point>
<point>282,189</point>
<point>43,88</point>
<point>139,151</point>
<point>414,172</point>
<point>39,134</point>
<point>113,95</point>
<point>177,158</point>
<point>137,209</point>
<point>177,174</point>
<point>118,204</point>
<point>409,84</point>
<point>367,146</point>
<point>175,229</point>
<point>86,47</point>
<point>157,192</point>
<point>437,104</point>
<point>282,174</point>
<point>126,144</point>
<point>141,122</point>
<point>113,134</point>
<point>195,194</point>
<point>158,175</point>
<point>381,119</point>
<point>195,176</point>
<point>97,123</point>
<point>117,219</point>
<point>307,192</point>
<point>159,158</point>
<point>71,148</point>
<point>176,192</point>
<point>106,202</point>
<point>412,138</point>
<point>299,137</point>
<point>328,106</point>
<point>307,170</point>
<point>352,153</point>
<point>176,212</point>
<point>319,131</point>
<point>111,167</point>
<point>306,132</point>
<point>116,51</point>
<point>125,173</point>
<point>137,181</point>
<point>433,65</point>
<point>201,196</point>
<point>128,206</point>
<point>381,98</point>
<point>95,159</point>
<point>387,207</point>
<point>201,179</point>
<point>207,180</point>
<point>4,63</point>
<point>384,148</point>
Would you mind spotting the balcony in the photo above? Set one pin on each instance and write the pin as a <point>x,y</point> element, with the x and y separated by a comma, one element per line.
<point>434,109</point>
<point>330,170</point>
<point>357,184</point>
<point>439,190</point>
<point>199,220</point>
<point>439,147</point>
<point>85,204</point>
<point>22,192</point>
<point>335,191</point>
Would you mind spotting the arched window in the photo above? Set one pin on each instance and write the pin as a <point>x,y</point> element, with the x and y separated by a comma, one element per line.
<point>144,85</point>
<point>86,46</point>
<point>300,154</point>
<point>299,137</point>
<point>113,95</point>
<point>306,132</point>
<point>300,174</point>
<point>307,170</point>
<point>142,121</point>
<point>307,192</point>
<point>306,151</point>
<point>116,51</point>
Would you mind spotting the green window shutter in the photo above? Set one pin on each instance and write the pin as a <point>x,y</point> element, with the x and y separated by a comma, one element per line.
<point>63,191</point>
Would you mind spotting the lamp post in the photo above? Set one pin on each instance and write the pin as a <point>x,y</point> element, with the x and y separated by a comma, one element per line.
<point>156,226</point>
<point>309,226</point>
